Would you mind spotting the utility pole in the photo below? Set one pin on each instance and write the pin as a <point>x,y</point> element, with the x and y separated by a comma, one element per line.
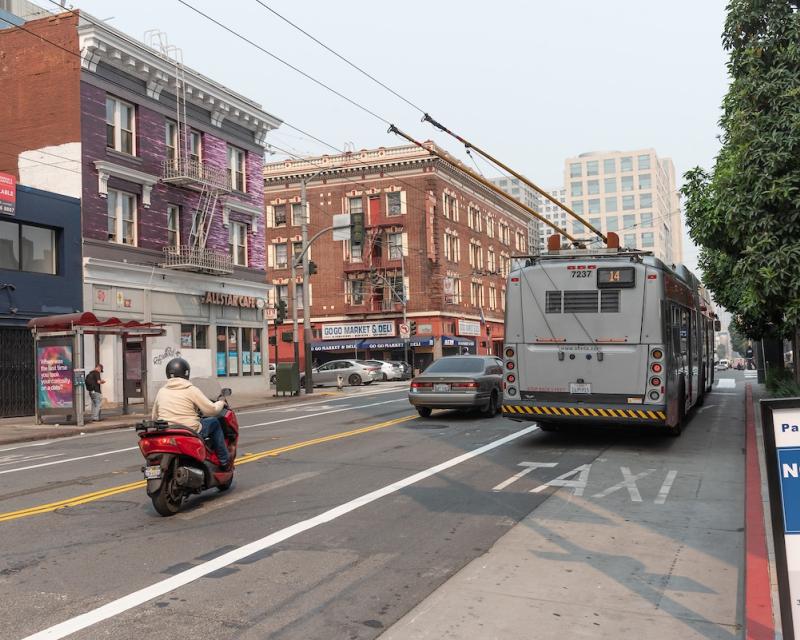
<point>306,287</point>
<point>293,300</point>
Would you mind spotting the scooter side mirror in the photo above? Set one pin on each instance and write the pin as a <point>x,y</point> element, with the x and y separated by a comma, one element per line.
<point>226,392</point>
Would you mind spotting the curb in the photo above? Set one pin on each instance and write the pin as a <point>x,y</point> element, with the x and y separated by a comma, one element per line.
<point>759,619</point>
<point>67,431</point>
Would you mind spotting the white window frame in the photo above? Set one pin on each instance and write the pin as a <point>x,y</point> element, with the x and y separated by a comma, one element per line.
<point>174,213</point>
<point>297,218</point>
<point>402,196</point>
<point>115,200</point>
<point>198,148</point>
<point>237,158</point>
<point>285,264</point>
<point>171,141</point>
<point>237,238</point>
<point>117,128</point>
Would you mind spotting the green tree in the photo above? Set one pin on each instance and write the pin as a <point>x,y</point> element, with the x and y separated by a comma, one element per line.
<point>745,214</point>
<point>738,341</point>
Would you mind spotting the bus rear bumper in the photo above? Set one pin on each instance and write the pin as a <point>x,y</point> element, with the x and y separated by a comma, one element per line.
<point>620,414</point>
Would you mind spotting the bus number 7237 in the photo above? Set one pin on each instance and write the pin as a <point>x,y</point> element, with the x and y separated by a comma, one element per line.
<point>581,274</point>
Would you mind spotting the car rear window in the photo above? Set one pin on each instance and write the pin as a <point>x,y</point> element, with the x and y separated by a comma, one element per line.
<point>457,365</point>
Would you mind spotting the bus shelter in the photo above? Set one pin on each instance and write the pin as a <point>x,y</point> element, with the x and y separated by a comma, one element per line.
<point>58,345</point>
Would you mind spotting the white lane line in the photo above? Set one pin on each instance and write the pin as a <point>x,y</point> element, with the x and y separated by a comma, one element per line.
<point>208,507</point>
<point>250,426</point>
<point>52,462</point>
<point>663,492</point>
<point>125,603</point>
<point>529,466</point>
<point>17,459</point>
<point>294,407</point>
<point>321,413</point>
<point>726,383</point>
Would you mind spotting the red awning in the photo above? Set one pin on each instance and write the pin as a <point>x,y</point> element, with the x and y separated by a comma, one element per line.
<point>88,321</point>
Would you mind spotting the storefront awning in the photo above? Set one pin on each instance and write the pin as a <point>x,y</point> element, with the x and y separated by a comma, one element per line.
<point>420,342</point>
<point>90,323</point>
<point>382,343</point>
<point>335,345</point>
<point>454,341</point>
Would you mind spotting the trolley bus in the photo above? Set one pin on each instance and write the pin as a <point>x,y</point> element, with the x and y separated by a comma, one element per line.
<point>606,336</point>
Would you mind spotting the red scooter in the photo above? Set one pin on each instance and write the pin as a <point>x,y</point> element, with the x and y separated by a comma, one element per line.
<point>180,463</point>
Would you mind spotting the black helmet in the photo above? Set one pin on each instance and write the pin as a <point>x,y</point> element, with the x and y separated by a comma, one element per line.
<point>177,368</point>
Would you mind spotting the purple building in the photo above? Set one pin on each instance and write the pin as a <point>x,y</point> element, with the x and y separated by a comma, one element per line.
<point>167,164</point>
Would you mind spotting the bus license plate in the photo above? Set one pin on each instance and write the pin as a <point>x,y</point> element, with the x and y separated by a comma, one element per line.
<point>152,473</point>
<point>441,388</point>
<point>575,387</point>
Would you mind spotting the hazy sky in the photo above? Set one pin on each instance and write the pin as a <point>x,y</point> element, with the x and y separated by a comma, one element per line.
<point>533,82</point>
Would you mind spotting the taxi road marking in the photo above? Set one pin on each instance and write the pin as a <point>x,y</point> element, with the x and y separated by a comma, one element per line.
<point>248,457</point>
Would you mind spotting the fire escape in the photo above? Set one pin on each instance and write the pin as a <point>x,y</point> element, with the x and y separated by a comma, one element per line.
<point>382,266</point>
<point>188,170</point>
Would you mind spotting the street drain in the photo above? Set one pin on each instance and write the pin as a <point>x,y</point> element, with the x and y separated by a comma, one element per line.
<point>425,425</point>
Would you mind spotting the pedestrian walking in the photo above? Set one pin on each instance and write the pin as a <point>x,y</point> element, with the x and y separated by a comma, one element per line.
<point>93,382</point>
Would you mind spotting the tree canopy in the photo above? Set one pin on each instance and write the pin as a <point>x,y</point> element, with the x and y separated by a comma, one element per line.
<point>745,214</point>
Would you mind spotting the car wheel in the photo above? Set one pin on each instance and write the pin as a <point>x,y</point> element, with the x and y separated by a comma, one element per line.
<point>490,409</point>
<point>354,380</point>
<point>425,412</point>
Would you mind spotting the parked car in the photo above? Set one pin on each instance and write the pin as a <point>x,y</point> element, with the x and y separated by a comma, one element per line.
<point>405,369</point>
<point>459,382</point>
<point>388,370</point>
<point>353,372</point>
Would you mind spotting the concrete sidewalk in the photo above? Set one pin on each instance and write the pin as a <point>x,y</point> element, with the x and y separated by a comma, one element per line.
<point>25,429</point>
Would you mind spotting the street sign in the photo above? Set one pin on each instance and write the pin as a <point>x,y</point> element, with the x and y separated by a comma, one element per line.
<point>781,424</point>
<point>405,331</point>
<point>341,220</point>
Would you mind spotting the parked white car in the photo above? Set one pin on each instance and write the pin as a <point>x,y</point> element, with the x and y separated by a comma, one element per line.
<point>388,370</point>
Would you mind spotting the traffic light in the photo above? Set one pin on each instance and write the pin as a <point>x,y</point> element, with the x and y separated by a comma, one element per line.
<point>357,228</point>
<point>413,327</point>
<point>281,308</point>
<point>312,267</point>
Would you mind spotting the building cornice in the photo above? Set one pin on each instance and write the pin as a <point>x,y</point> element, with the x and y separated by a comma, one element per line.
<point>99,42</point>
<point>107,169</point>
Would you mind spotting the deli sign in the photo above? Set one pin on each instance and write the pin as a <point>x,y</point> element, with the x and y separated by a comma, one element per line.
<point>8,193</point>
<point>358,330</point>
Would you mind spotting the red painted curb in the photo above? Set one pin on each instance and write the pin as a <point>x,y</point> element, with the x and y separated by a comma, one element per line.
<point>759,622</point>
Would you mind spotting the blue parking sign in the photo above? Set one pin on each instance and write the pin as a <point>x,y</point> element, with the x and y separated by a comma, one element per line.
<point>789,474</point>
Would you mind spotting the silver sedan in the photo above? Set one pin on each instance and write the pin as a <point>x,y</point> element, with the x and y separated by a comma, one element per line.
<point>459,382</point>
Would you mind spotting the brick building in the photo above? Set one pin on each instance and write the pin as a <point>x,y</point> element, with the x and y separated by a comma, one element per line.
<point>170,190</point>
<point>427,220</point>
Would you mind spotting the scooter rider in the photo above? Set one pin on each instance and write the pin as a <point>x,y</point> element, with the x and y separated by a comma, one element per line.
<point>179,402</point>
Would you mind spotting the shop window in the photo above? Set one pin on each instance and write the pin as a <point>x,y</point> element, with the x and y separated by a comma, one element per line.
<point>227,351</point>
<point>194,336</point>
<point>251,352</point>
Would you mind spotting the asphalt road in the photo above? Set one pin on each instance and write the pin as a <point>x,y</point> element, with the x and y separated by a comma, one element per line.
<point>351,513</point>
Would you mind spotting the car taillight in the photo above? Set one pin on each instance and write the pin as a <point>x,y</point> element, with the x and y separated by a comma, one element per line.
<point>420,385</point>
<point>465,385</point>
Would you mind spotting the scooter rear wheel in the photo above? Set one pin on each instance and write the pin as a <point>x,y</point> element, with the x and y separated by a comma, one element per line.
<point>166,501</point>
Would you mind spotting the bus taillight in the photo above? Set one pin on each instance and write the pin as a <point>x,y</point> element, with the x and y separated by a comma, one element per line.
<point>509,353</point>
<point>656,368</point>
<point>656,382</point>
<point>657,354</point>
<point>654,395</point>
<point>509,365</point>
<point>511,378</point>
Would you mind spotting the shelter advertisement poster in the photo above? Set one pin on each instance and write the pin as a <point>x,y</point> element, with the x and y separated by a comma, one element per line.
<point>54,376</point>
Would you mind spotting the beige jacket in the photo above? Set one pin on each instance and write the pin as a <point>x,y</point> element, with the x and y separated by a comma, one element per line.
<point>178,402</point>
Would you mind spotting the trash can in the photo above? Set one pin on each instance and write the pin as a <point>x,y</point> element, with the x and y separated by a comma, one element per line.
<point>288,378</point>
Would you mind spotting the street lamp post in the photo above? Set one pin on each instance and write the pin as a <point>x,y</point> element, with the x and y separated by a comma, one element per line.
<point>306,286</point>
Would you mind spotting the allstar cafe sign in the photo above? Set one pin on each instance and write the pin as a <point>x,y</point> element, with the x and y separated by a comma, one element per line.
<point>232,300</point>
<point>8,193</point>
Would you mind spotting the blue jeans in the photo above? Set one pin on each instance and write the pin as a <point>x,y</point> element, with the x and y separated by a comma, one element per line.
<point>97,402</point>
<point>211,428</point>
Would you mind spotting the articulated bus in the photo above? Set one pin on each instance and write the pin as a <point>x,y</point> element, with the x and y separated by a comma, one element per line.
<point>606,336</point>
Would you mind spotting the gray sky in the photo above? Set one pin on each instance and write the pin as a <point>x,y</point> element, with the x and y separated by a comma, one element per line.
<point>533,82</point>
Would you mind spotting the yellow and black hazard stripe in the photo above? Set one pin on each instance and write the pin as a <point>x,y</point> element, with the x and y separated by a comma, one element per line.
<point>583,412</point>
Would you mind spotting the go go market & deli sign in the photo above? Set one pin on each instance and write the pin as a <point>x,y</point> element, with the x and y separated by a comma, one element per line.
<point>358,330</point>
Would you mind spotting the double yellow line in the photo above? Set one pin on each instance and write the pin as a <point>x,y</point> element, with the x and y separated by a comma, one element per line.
<point>139,484</point>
